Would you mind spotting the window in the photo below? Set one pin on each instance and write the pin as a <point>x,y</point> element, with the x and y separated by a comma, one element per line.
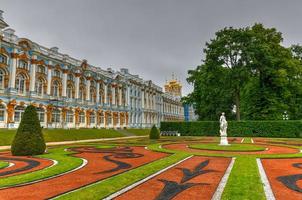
<point>108,119</point>
<point>3,59</point>
<point>69,92</point>
<point>41,114</point>
<point>92,118</point>
<point>19,110</point>
<point>2,112</point>
<point>101,118</point>
<point>69,115</point>
<point>55,89</point>
<point>82,95</point>
<point>117,119</point>
<point>70,77</point>
<point>20,84</point>
<point>39,87</point>
<point>55,116</point>
<point>1,79</point>
<point>57,73</point>
<point>41,69</point>
<point>82,117</point>
<point>23,64</point>
<point>92,99</point>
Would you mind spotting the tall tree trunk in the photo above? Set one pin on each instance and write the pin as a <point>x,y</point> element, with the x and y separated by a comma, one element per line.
<point>237,101</point>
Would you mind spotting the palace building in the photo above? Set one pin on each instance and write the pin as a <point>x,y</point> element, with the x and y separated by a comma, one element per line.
<point>71,93</point>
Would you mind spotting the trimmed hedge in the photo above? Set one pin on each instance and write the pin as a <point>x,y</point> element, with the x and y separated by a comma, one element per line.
<point>288,129</point>
<point>29,139</point>
<point>154,133</point>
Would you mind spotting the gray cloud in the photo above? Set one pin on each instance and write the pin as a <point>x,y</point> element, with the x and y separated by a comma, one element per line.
<point>151,38</point>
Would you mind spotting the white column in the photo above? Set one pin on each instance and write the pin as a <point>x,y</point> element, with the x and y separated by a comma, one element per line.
<point>128,96</point>
<point>105,94</point>
<point>49,78</point>
<point>64,88</point>
<point>97,92</point>
<point>33,74</point>
<point>154,101</point>
<point>143,99</point>
<point>113,95</point>
<point>13,66</point>
<point>77,86</point>
<point>120,91</point>
<point>88,90</point>
<point>147,100</point>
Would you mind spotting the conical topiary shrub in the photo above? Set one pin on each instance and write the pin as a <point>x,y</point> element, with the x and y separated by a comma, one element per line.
<point>154,133</point>
<point>29,138</point>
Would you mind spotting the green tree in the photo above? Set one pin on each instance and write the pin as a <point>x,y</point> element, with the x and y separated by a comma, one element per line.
<point>154,133</point>
<point>248,67</point>
<point>229,50</point>
<point>29,138</point>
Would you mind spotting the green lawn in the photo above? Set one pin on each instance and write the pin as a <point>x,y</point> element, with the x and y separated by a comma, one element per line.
<point>139,131</point>
<point>232,147</point>
<point>3,164</point>
<point>55,135</point>
<point>244,181</point>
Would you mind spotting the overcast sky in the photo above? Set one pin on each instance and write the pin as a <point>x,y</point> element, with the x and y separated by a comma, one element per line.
<point>152,38</point>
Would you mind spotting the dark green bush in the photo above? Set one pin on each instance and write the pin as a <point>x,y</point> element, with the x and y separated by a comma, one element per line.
<point>154,133</point>
<point>29,138</point>
<point>288,129</point>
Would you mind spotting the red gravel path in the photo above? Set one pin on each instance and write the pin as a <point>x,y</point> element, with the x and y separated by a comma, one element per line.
<point>152,188</point>
<point>44,163</point>
<point>84,176</point>
<point>275,168</point>
<point>271,150</point>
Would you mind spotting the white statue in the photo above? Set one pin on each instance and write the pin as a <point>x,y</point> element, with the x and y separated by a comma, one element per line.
<point>223,125</point>
<point>223,130</point>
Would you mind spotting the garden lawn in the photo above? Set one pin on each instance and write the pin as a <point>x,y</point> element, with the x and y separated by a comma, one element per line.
<point>3,164</point>
<point>57,135</point>
<point>65,163</point>
<point>139,132</point>
<point>244,181</point>
<point>232,147</point>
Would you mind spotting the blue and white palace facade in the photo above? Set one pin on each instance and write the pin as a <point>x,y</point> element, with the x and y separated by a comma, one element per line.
<point>71,93</point>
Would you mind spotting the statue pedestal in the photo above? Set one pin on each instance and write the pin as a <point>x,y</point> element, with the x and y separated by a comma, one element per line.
<point>224,140</point>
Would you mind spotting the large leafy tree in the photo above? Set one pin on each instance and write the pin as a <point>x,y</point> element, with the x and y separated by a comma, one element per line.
<point>229,50</point>
<point>249,68</point>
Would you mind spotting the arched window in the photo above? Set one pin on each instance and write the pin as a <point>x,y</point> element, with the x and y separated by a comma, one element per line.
<point>2,112</point>
<point>56,115</point>
<point>57,73</point>
<point>23,64</point>
<point>19,110</point>
<point>39,87</point>
<point>92,118</point>
<point>81,94</point>
<point>69,92</point>
<point>41,69</point>
<point>82,117</point>
<point>20,84</point>
<point>92,96</point>
<point>55,89</point>
<point>70,77</point>
<point>101,117</point>
<point>108,119</point>
<point>3,59</point>
<point>69,116</point>
<point>1,79</point>
<point>41,114</point>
